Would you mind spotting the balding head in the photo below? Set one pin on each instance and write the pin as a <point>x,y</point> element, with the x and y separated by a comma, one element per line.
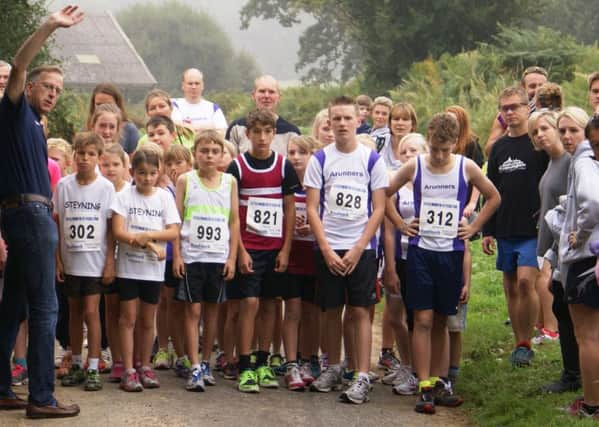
<point>192,85</point>
<point>4,72</point>
<point>266,93</point>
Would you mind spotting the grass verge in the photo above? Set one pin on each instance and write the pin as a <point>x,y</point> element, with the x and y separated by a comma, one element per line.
<point>497,394</point>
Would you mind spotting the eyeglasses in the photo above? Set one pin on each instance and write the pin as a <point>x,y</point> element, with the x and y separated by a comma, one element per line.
<point>511,107</point>
<point>51,88</point>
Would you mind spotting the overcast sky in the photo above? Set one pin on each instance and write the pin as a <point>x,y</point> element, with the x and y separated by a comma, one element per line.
<point>275,55</point>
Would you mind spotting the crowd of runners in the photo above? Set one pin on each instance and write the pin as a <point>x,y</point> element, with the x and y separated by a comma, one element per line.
<point>251,250</point>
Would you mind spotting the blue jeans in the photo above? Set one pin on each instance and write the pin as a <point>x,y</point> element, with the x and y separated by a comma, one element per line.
<point>31,237</point>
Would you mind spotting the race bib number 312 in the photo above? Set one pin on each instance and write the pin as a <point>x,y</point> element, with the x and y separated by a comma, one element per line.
<point>439,218</point>
<point>265,216</point>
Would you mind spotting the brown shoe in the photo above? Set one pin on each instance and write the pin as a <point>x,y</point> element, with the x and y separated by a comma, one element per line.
<point>9,403</point>
<point>49,411</point>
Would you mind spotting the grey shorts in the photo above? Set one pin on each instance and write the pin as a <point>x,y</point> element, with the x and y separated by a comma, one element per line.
<point>457,322</point>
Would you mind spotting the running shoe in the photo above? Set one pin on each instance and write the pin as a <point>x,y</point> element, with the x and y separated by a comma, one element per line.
<point>92,382</point>
<point>397,376</point>
<point>315,366</point>
<point>426,402</point>
<point>221,361</point>
<point>521,356</point>
<point>75,377</point>
<point>293,378</point>
<point>182,367</point>
<point>408,387</point>
<point>148,378</point>
<point>373,376</point>
<point>545,336</point>
<point>574,407</point>
<point>348,375</point>
<point>116,372</point>
<point>266,377</point>
<point>306,373</point>
<point>565,384</point>
<point>161,359</point>
<point>388,361</point>
<point>103,366</point>
<point>330,379</point>
<point>585,412</point>
<point>443,395</point>
<point>65,365</point>
<point>106,356</point>
<point>130,382</point>
<point>277,363</point>
<point>231,371</point>
<point>60,353</point>
<point>19,375</point>
<point>324,361</point>
<point>248,382</point>
<point>357,392</point>
<point>207,374</point>
<point>195,382</point>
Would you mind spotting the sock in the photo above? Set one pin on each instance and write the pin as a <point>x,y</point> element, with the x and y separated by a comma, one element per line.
<point>424,384</point>
<point>244,362</point>
<point>196,366</point>
<point>130,371</point>
<point>262,358</point>
<point>77,360</point>
<point>454,371</point>
<point>294,362</point>
<point>433,380</point>
<point>364,376</point>
<point>93,363</point>
<point>525,344</point>
<point>314,359</point>
<point>21,362</point>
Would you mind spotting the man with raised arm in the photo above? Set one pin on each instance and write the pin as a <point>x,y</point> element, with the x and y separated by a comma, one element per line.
<point>27,224</point>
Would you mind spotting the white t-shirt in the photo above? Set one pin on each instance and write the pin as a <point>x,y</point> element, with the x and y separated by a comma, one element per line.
<point>204,114</point>
<point>83,212</point>
<point>346,181</point>
<point>143,213</point>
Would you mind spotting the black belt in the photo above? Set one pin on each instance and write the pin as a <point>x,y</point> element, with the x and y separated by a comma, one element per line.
<point>17,200</point>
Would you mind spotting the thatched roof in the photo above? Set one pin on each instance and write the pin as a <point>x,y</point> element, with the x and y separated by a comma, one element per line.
<point>98,50</point>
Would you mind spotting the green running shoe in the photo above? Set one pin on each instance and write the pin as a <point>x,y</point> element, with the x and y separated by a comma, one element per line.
<point>75,377</point>
<point>266,377</point>
<point>93,382</point>
<point>248,382</point>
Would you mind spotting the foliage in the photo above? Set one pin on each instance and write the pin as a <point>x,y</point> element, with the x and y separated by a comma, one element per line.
<point>172,37</point>
<point>577,18</point>
<point>69,115</point>
<point>20,18</point>
<point>382,39</point>
<point>474,79</point>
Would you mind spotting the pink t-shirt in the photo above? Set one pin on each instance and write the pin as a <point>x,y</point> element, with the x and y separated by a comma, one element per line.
<point>54,172</point>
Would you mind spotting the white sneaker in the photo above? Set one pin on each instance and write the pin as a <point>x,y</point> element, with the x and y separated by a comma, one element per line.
<point>195,382</point>
<point>329,380</point>
<point>398,375</point>
<point>408,387</point>
<point>357,392</point>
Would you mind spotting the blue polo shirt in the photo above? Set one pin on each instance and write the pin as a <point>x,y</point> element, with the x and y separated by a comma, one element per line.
<point>23,150</point>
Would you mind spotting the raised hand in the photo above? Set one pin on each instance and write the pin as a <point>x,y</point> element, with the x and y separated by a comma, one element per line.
<point>67,17</point>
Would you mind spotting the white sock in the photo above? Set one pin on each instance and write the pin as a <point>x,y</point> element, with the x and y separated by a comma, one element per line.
<point>364,375</point>
<point>93,364</point>
<point>77,360</point>
<point>196,366</point>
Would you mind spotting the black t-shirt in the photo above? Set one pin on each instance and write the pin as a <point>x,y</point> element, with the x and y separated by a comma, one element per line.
<point>290,181</point>
<point>515,168</point>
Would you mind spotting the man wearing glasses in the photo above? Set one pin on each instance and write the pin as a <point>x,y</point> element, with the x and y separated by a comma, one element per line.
<point>27,224</point>
<point>532,78</point>
<point>515,168</point>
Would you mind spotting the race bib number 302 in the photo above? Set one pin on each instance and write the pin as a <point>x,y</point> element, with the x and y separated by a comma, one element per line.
<point>265,216</point>
<point>439,218</point>
<point>82,232</point>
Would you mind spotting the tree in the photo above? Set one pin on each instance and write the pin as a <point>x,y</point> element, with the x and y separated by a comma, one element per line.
<point>382,38</point>
<point>577,18</point>
<point>20,18</point>
<point>172,37</point>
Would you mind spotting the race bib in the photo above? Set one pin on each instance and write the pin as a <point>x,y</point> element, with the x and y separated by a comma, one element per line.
<point>209,233</point>
<point>265,217</point>
<point>439,218</point>
<point>135,254</point>
<point>82,232</point>
<point>347,201</point>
